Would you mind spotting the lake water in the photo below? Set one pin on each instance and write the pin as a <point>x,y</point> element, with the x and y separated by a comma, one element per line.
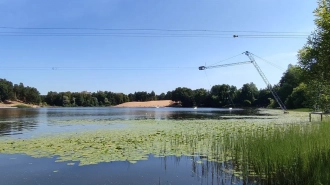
<point>34,123</point>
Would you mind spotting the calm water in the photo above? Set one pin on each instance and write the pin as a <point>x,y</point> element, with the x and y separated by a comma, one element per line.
<point>22,123</point>
<point>26,123</point>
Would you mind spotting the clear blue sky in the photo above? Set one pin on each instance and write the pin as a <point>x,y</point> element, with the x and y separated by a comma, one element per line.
<point>149,52</point>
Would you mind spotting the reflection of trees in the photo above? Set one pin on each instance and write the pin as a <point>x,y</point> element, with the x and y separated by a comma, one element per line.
<point>206,172</point>
<point>15,121</point>
<point>16,127</point>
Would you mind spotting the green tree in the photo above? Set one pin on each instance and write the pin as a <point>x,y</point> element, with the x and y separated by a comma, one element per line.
<point>152,96</point>
<point>94,102</point>
<point>290,80</point>
<point>168,95</point>
<point>222,95</point>
<point>185,95</point>
<point>264,97</point>
<point>66,101</point>
<point>298,97</point>
<point>32,95</point>
<point>6,90</point>
<point>249,92</point>
<point>161,96</point>
<point>106,102</point>
<point>314,58</point>
<point>200,96</point>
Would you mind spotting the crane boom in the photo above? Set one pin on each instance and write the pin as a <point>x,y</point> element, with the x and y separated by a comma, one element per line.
<point>263,76</point>
<point>223,65</point>
<point>269,86</point>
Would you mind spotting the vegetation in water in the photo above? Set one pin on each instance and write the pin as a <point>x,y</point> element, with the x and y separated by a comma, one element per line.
<point>22,106</point>
<point>270,151</point>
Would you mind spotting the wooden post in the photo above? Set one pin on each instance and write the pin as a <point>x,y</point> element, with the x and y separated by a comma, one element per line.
<point>310,117</point>
<point>321,116</point>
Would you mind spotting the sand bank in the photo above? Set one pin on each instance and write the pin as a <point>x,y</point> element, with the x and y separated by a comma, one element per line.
<point>158,103</point>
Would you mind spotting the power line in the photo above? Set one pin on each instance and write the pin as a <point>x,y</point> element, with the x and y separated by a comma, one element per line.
<point>144,29</point>
<point>277,66</point>
<point>150,36</point>
<point>97,68</point>
<point>137,34</point>
<point>226,59</point>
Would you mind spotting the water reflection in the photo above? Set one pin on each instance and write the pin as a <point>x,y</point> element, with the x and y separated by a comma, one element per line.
<point>36,121</point>
<point>21,169</point>
<point>16,121</point>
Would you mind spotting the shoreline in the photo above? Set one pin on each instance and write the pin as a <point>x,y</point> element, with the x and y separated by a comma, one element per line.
<point>155,103</point>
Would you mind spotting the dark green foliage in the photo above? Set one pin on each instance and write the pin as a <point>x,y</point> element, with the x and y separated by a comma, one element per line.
<point>66,101</point>
<point>298,97</point>
<point>314,59</point>
<point>32,95</point>
<point>161,96</point>
<point>249,92</point>
<point>200,96</point>
<point>263,98</point>
<point>6,90</point>
<point>222,95</point>
<point>184,95</point>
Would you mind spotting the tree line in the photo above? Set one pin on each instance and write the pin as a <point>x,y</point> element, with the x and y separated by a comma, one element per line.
<point>10,91</point>
<point>290,89</point>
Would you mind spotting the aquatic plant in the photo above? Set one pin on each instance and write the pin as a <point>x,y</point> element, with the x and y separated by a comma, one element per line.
<point>271,151</point>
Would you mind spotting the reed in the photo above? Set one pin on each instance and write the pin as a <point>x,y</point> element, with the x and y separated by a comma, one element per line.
<point>298,154</point>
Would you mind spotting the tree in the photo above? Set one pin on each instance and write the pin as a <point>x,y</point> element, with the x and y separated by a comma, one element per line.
<point>131,97</point>
<point>249,92</point>
<point>168,95</point>
<point>222,95</point>
<point>161,96</point>
<point>264,97</point>
<point>94,102</point>
<point>66,101</point>
<point>152,96</point>
<point>185,95</point>
<point>314,58</point>
<point>6,90</point>
<point>32,95</point>
<point>290,79</point>
<point>298,97</point>
<point>106,102</point>
<point>200,96</point>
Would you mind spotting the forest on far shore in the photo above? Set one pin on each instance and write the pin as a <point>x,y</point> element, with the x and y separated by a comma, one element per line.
<point>290,88</point>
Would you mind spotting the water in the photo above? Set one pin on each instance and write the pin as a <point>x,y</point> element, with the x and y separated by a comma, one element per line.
<point>21,169</point>
<point>23,123</point>
<point>29,123</point>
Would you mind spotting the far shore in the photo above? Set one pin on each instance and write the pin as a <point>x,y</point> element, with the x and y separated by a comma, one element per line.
<point>157,103</point>
<point>15,104</point>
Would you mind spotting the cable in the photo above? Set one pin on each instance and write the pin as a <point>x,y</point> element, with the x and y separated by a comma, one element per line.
<point>225,59</point>
<point>137,36</point>
<point>208,79</point>
<point>113,33</point>
<point>278,67</point>
<point>21,34</point>
<point>140,29</point>
<point>97,68</point>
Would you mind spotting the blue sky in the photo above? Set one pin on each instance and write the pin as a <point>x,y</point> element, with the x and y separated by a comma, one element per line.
<point>158,54</point>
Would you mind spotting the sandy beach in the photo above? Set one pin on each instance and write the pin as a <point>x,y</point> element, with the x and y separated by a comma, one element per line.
<point>15,103</point>
<point>159,103</point>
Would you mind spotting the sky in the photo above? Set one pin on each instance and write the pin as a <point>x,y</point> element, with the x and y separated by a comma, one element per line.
<point>128,45</point>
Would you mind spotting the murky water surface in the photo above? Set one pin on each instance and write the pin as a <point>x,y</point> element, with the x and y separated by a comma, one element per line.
<point>34,123</point>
